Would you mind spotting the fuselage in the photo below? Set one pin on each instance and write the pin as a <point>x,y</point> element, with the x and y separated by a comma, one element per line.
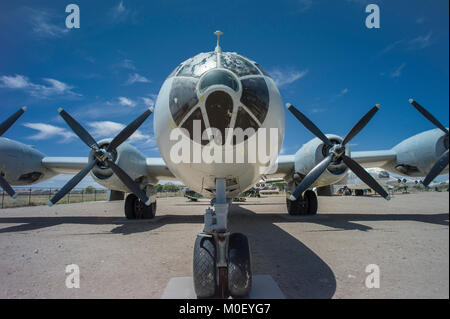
<point>238,102</point>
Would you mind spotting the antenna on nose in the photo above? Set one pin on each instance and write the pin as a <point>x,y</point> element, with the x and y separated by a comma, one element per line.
<point>218,34</point>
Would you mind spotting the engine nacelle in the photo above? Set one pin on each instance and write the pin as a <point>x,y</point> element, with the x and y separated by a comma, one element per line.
<point>21,164</point>
<point>128,158</point>
<point>417,154</point>
<point>312,153</point>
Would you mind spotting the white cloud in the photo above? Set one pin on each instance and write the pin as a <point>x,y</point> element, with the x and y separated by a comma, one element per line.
<point>14,82</point>
<point>104,129</point>
<point>344,91</point>
<point>420,20</point>
<point>304,5</point>
<point>127,64</point>
<point>417,43</point>
<point>21,82</point>
<point>126,101</point>
<point>47,131</point>
<point>398,71</point>
<point>43,26</point>
<point>134,78</point>
<point>120,13</point>
<point>420,42</point>
<point>286,76</point>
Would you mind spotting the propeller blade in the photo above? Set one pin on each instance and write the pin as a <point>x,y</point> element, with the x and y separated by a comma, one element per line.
<point>428,115</point>
<point>72,183</point>
<point>5,185</point>
<point>132,186</point>
<point>10,121</point>
<point>308,124</point>
<point>312,176</point>
<point>129,130</point>
<point>361,124</point>
<point>79,130</point>
<point>437,168</point>
<point>364,176</point>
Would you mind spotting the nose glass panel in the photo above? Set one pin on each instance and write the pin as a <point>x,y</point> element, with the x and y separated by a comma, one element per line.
<point>219,107</point>
<point>198,65</point>
<point>215,77</point>
<point>182,98</point>
<point>255,96</point>
<point>237,64</point>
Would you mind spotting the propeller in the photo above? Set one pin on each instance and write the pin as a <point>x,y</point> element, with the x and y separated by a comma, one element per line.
<point>336,152</point>
<point>442,162</point>
<point>3,128</point>
<point>103,156</point>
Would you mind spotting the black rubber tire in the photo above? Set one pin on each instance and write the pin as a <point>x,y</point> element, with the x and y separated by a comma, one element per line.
<point>296,208</point>
<point>204,267</point>
<point>312,205</point>
<point>239,266</point>
<point>129,206</point>
<point>146,212</point>
<point>149,211</point>
<point>359,192</point>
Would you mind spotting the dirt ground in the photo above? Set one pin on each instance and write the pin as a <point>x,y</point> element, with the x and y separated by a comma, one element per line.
<point>323,256</point>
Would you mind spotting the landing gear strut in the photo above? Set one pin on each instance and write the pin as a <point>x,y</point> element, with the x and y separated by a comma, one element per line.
<point>304,205</point>
<point>222,265</point>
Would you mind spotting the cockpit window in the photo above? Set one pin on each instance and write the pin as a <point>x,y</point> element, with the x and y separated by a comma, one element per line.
<point>198,64</point>
<point>182,98</point>
<point>237,64</point>
<point>255,96</point>
<point>218,77</point>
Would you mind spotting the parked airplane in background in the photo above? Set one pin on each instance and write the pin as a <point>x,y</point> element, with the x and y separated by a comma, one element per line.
<point>221,90</point>
<point>352,184</point>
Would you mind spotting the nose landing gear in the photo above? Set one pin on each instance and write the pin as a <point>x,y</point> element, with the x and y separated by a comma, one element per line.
<point>222,261</point>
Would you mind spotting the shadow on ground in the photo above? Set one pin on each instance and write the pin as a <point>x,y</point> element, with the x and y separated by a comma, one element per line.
<point>299,272</point>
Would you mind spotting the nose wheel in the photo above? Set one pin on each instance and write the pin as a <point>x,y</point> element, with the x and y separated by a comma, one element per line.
<point>212,278</point>
<point>221,263</point>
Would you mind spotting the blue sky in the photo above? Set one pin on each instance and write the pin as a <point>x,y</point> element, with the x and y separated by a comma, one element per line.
<point>327,63</point>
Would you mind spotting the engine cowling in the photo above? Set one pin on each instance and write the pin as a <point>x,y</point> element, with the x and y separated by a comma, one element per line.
<point>417,154</point>
<point>21,164</point>
<point>312,153</point>
<point>128,158</point>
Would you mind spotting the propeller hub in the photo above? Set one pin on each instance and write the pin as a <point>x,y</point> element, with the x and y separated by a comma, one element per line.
<point>102,155</point>
<point>337,150</point>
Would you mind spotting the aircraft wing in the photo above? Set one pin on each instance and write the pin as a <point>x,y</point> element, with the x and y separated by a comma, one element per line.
<point>156,167</point>
<point>286,163</point>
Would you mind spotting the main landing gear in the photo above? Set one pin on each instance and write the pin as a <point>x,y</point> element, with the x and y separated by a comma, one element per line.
<point>136,209</point>
<point>222,261</point>
<point>304,205</point>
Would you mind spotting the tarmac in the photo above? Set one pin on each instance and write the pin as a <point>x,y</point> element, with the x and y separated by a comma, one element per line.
<point>323,256</point>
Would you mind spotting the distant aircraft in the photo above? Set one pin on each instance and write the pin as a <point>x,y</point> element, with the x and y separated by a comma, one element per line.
<point>215,91</point>
<point>352,184</point>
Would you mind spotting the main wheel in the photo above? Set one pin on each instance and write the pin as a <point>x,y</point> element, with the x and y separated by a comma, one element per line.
<point>311,199</point>
<point>239,266</point>
<point>304,205</point>
<point>136,209</point>
<point>359,192</point>
<point>204,267</point>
